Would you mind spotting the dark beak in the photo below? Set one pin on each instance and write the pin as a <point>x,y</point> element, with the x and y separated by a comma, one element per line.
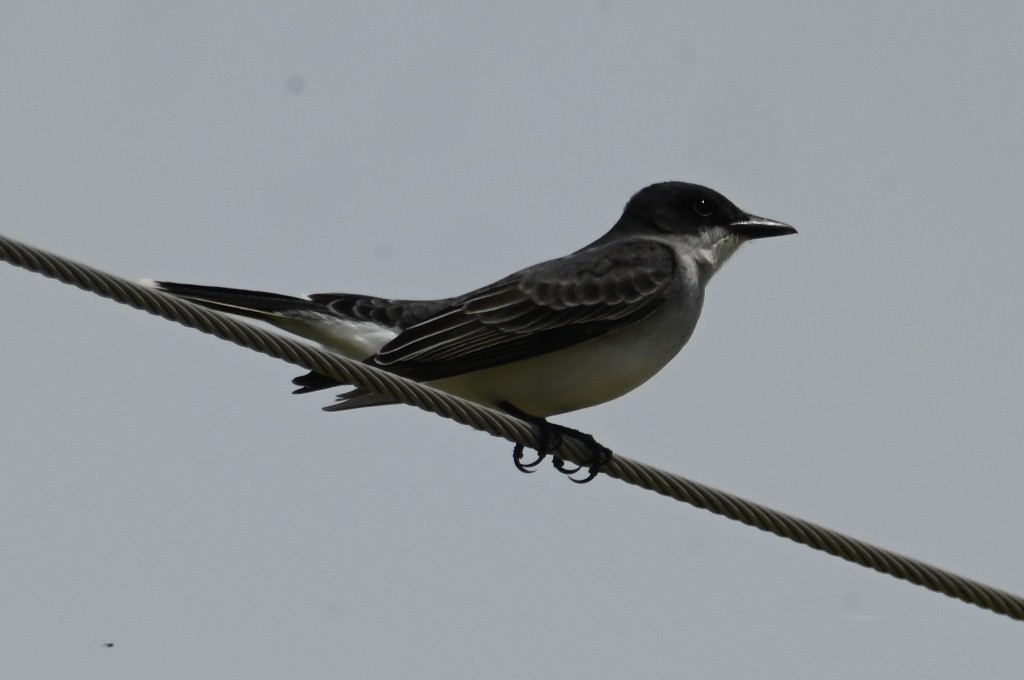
<point>753,226</point>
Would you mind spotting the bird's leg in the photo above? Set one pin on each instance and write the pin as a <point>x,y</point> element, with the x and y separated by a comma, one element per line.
<point>551,439</point>
<point>600,454</point>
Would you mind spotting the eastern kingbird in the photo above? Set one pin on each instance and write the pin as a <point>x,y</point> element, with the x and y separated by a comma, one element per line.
<point>557,336</point>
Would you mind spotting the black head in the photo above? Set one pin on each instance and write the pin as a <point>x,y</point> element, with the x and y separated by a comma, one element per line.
<point>682,208</point>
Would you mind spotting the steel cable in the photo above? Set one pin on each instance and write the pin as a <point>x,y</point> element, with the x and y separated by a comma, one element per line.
<point>503,425</point>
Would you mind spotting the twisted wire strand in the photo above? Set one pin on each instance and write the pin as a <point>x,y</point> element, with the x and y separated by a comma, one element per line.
<point>508,427</point>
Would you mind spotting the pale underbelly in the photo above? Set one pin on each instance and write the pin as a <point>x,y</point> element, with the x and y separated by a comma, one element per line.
<point>584,375</point>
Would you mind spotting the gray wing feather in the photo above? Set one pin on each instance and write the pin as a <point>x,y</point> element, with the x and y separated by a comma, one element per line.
<point>542,309</point>
<point>392,313</point>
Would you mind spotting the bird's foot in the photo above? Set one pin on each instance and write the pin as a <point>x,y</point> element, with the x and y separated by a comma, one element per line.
<point>550,440</point>
<point>600,455</point>
<point>552,437</point>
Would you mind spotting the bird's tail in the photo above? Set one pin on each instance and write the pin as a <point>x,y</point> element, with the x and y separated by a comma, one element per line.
<point>285,311</point>
<point>255,304</point>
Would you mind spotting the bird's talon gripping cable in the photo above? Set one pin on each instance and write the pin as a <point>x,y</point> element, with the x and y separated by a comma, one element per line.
<point>562,467</point>
<point>517,459</point>
<point>569,472</point>
<point>550,440</point>
<point>600,454</point>
<point>591,473</point>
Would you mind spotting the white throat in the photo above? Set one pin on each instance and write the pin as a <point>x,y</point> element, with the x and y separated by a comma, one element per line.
<point>707,251</point>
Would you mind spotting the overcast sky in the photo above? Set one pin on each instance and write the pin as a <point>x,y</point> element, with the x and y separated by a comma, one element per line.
<point>163,491</point>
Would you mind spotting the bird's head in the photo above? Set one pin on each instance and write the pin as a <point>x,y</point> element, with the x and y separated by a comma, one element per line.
<point>695,220</point>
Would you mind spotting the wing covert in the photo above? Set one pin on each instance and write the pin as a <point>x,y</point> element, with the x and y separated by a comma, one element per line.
<point>541,309</point>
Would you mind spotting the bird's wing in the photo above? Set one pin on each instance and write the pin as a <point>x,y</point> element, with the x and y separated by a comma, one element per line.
<point>396,314</point>
<point>541,309</point>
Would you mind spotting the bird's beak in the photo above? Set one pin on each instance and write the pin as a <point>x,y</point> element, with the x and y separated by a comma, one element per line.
<point>753,226</point>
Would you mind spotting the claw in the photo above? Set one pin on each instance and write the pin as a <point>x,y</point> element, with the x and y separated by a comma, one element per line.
<point>561,466</point>
<point>517,460</point>
<point>569,472</point>
<point>591,473</point>
<point>551,440</point>
<point>601,455</point>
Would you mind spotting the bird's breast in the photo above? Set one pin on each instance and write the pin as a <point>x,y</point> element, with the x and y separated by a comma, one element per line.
<point>590,373</point>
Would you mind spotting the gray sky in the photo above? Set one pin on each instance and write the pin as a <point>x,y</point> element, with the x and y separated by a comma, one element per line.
<point>163,491</point>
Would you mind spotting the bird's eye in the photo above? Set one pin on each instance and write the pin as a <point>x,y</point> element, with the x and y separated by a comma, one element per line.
<point>703,207</point>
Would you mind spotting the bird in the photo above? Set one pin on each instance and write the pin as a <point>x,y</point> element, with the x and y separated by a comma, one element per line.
<point>555,337</point>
